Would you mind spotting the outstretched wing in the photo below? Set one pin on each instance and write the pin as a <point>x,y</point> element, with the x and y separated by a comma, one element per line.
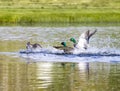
<point>92,33</point>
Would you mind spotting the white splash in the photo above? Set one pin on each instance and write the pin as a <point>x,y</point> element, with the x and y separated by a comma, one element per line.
<point>92,54</point>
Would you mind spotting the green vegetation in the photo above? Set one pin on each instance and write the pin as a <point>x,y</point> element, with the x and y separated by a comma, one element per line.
<point>59,3</point>
<point>37,12</point>
<point>64,16</point>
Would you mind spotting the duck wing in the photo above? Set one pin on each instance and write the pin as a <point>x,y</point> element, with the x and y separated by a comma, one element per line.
<point>91,34</point>
<point>36,45</point>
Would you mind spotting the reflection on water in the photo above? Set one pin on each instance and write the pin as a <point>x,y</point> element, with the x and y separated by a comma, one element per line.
<point>47,76</point>
<point>44,73</point>
<point>51,72</point>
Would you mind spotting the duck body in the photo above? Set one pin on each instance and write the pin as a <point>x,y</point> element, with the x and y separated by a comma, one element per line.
<point>36,45</point>
<point>82,42</point>
<point>65,48</point>
<point>33,47</point>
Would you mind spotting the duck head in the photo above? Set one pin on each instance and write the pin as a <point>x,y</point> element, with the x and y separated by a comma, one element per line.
<point>28,46</point>
<point>73,40</point>
<point>64,44</point>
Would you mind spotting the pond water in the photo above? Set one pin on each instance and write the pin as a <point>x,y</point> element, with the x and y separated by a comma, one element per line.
<point>96,69</point>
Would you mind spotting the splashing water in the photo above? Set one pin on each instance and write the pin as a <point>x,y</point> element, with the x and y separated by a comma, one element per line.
<point>90,55</point>
<point>104,44</point>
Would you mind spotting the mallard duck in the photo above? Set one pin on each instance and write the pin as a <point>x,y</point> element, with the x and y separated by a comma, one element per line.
<point>83,41</point>
<point>31,47</point>
<point>65,48</point>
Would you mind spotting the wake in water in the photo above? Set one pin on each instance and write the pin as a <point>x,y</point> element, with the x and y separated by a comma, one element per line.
<point>90,55</point>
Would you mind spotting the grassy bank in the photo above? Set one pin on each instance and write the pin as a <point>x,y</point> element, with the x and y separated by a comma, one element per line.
<point>59,16</point>
<point>60,12</point>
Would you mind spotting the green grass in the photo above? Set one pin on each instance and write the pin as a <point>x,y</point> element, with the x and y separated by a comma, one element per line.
<point>59,16</point>
<point>59,12</point>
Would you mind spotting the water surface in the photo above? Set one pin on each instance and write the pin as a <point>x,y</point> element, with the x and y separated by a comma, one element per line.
<point>51,71</point>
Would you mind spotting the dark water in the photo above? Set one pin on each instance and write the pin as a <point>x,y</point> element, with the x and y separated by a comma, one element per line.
<point>97,69</point>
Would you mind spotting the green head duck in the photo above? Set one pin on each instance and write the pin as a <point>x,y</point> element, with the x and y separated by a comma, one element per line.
<point>64,44</point>
<point>73,40</point>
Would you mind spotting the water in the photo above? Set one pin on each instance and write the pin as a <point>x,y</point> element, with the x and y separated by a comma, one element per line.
<point>97,69</point>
